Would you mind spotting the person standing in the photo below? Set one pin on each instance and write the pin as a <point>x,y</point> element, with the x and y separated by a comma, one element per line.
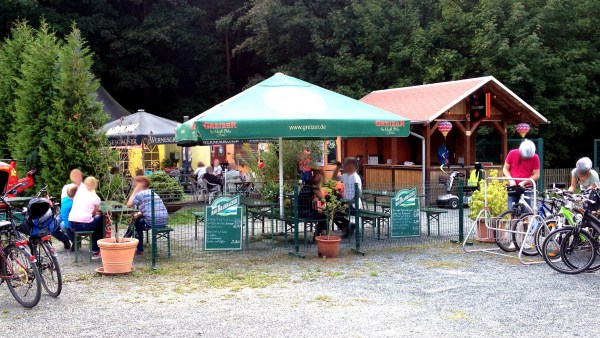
<point>350,179</point>
<point>522,163</point>
<point>584,175</point>
<point>141,197</point>
<point>84,215</point>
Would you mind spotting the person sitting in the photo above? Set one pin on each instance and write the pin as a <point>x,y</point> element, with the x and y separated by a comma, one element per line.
<point>308,200</point>
<point>66,204</point>
<point>217,169</point>
<point>84,215</point>
<point>200,171</point>
<point>141,197</point>
<point>232,176</point>
<point>350,178</point>
<point>211,178</point>
<point>584,175</point>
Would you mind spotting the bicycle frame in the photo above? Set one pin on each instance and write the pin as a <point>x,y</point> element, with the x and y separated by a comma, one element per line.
<point>485,216</point>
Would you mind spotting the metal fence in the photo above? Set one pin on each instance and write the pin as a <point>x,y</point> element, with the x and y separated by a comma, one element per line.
<point>264,230</point>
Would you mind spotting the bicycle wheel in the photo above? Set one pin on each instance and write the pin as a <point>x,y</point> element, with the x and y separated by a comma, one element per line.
<point>25,282</point>
<point>502,234</point>
<point>578,251</point>
<point>523,233</point>
<point>543,231</point>
<point>552,251</point>
<point>49,268</point>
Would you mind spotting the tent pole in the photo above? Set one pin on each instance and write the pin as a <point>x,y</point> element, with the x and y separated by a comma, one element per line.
<point>281,177</point>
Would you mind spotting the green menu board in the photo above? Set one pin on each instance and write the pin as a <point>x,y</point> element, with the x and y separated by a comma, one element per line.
<point>405,218</point>
<point>223,225</point>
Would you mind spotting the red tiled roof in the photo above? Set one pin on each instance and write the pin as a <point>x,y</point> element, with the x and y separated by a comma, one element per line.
<point>425,103</point>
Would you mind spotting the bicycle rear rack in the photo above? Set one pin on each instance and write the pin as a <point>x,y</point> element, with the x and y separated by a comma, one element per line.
<point>492,226</point>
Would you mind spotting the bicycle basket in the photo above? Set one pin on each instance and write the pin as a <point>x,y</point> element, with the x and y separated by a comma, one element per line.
<point>596,198</point>
<point>39,218</point>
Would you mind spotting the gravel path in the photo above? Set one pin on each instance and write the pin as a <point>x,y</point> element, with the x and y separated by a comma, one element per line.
<point>431,291</point>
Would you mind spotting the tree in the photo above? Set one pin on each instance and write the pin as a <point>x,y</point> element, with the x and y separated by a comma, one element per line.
<point>33,93</point>
<point>11,59</point>
<point>71,135</point>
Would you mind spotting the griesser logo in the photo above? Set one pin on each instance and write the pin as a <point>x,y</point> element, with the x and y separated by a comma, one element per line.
<point>219,125</point>
<point>389,123</point>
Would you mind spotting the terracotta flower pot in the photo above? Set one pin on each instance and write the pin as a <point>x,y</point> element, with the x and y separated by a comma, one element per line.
<point>328,246</point>
<point>174,206</point>
<point>117,257</point>
<point>484,234</point>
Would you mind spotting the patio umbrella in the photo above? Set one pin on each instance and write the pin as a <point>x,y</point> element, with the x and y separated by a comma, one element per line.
<point>140,128</point>
<point>283,107</point>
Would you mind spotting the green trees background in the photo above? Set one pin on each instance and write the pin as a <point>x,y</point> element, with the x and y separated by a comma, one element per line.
<point>180,57</point>
<point>49,111</point>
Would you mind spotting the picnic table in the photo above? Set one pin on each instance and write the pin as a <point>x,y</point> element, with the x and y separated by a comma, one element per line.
<point>379,193</point>
<point>257,210</point>
<point>116,208</point>
<point>433,214</point>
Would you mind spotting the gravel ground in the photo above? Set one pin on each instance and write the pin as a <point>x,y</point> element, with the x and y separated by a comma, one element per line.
<point>432,291</point>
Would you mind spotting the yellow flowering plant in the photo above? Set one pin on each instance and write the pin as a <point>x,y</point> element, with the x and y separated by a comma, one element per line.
<point>497,197</point>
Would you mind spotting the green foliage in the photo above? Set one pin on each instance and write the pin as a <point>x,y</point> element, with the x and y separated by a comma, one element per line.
<point>497,197</point>
<point>11,59</point>
<point>166,187</point>
<point>182,57</point>
<point>292,153</point>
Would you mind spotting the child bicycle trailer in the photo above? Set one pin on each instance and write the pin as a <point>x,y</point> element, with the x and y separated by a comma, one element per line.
<point>39,218</point>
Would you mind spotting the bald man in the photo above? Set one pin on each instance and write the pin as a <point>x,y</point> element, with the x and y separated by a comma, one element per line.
<point>76,179</point>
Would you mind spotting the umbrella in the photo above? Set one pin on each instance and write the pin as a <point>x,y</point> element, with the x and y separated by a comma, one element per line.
<point>286,107</point>
<point>140,128</point>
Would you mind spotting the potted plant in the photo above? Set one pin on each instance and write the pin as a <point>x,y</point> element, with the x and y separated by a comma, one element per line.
<point>169,190</point>
<point>497,202</point>
<point>117,253</point>
<point>329,245</point>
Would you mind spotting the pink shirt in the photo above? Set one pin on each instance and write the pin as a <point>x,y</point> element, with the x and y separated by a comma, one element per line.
<point>520,168</point>
<point>84,204</point>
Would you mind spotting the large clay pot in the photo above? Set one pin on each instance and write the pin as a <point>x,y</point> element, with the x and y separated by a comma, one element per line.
<point>328,246</point>
<point>484,234</point>
<point>117,257</point>
<point>174,206</point>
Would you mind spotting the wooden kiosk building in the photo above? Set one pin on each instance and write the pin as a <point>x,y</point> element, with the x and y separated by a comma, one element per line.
<point>467,104</point>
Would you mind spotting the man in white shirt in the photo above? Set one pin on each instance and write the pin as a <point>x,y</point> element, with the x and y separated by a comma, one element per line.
<point>200,171</point>
<point>217,169</point>
<point>350,178</point>
<point>76,179</point>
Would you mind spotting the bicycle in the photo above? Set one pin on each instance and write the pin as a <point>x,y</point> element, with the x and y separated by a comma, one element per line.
<point>41,245</point>
<point>508,219</point>
<point>574,249</point>
<point>18,266</point>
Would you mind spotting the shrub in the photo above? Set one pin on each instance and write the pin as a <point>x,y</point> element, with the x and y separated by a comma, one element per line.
<point>166,187</point>
<point>497,197</point>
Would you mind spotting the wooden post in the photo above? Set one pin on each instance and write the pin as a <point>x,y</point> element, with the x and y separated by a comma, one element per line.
<point>344,149</point>
<point>501,128</point>
<point>366,151</point>
<point>427,159</point>
<point>468,143</point>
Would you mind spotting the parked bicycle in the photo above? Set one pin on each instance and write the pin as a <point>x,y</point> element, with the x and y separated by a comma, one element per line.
<point>19,267</point>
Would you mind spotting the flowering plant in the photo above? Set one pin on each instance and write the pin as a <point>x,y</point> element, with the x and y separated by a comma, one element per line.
<point>332,201</point>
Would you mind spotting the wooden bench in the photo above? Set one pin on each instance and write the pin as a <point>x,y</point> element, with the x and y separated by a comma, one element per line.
<point>433,214</point>
<point>78,238</point>
<point>162,232</point>
<point>373,218</point>
<point>288,220</point>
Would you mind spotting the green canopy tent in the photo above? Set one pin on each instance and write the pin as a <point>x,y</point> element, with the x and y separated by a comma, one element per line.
<point>283,107</point>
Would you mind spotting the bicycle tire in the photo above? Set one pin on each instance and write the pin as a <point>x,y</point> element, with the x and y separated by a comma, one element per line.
<point>519,227</point>
<point>552,247</point>
<point>543,231</point>
<point>502,237</point>
<point>49,268</point>
<point>26,281</point>
<point>580,243</point>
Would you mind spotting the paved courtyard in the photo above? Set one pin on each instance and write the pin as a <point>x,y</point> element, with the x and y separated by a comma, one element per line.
<point>434,291</point>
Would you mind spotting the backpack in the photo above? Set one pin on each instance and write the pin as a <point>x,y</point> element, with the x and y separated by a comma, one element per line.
<point>39,218</point>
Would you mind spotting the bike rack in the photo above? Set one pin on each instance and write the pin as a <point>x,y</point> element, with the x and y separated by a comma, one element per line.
<point>490,225</point>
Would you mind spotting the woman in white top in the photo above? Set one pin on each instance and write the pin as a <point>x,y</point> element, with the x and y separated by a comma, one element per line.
<point>84,215</point>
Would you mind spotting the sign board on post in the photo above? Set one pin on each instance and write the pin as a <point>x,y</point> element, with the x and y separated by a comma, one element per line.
<point>223,225</point>
<point>405,218</point>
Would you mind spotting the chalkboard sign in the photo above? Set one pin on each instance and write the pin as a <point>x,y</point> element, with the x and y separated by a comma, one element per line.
<point>223,225</point>
<point>405,218</point>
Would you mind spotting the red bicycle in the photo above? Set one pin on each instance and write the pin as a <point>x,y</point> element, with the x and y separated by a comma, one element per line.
<point>17,265</point>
